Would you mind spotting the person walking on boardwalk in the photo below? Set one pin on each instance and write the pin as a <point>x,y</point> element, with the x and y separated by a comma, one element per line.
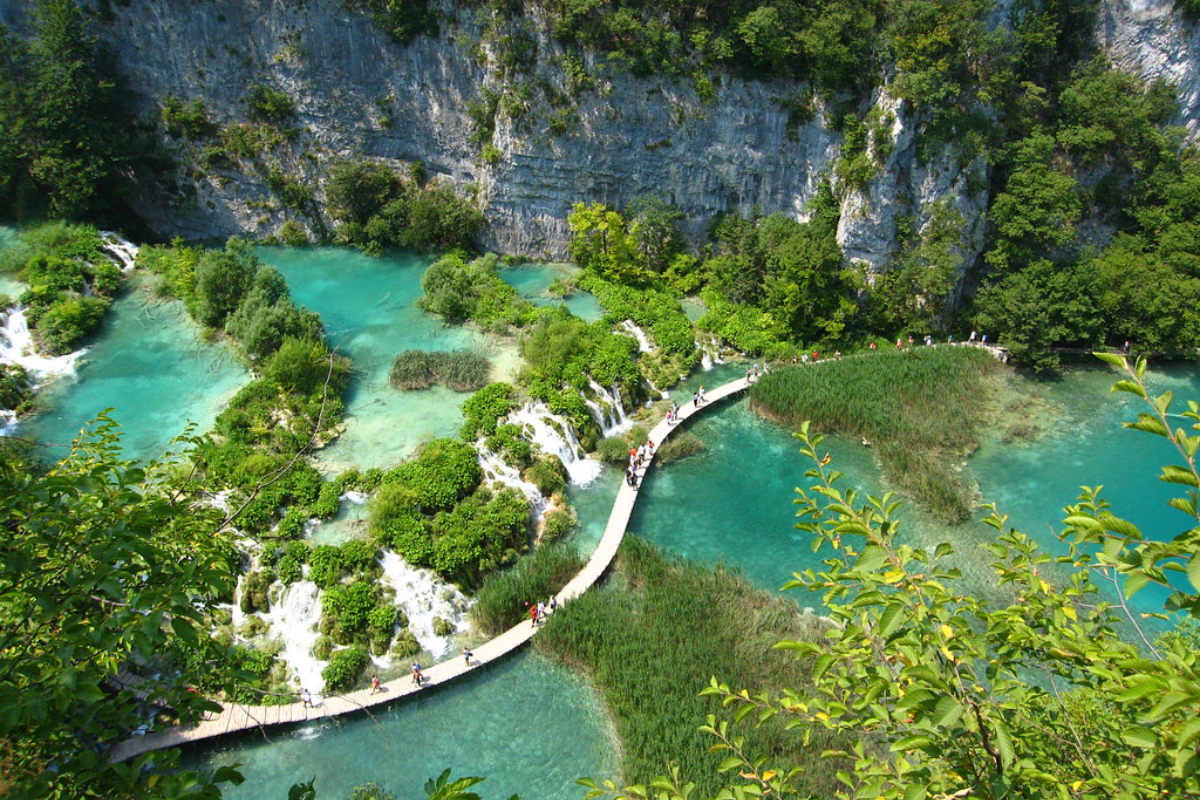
<point>533,615</point>
<point>306,699</point>
<point>418,676</point>
<point>467,655</point>
<point>375,686</point>
<point>553,604</point>
<point>700,395</point>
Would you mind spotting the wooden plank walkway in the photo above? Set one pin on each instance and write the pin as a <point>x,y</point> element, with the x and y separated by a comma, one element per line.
<point>235,717</point>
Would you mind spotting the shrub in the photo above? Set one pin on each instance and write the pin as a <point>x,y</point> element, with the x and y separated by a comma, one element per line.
<point>382,622</point>
<point>614,450</point>
<point>255,588</point>
<point>325,565</point>
<point>68,321</point>
<point>558,524</point>
<point>483,409</point>
<point>443,627</point>
<point>292,524</point>
<point>459,370</point>
<point>405,645</point>
<point>358,555</point>
<point>270,105</point>
<point>679,445</point>
<point>289,570</point>
<point>344,669</point>
<point>548,475</point>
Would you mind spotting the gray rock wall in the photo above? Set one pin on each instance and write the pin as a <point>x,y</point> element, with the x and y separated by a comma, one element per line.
<point>630,136</point>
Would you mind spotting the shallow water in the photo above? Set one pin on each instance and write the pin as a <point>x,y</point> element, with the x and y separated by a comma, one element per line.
<point>528,726</point>
<point>150,367</point>
<point>533,281</point>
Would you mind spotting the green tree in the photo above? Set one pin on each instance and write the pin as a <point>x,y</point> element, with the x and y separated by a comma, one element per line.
<point>102,566</point>
<point>222,280</point>
<point>603,243</point>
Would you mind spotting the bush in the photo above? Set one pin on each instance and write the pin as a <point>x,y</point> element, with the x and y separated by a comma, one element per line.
<point>292,524</point>
<point>68,321</point>
<point>358,555</point>
<point>405,645</point>
<point>614,450</point>
<point>270,105</point>
<point>679,445</point>
<point>344,669</point>
<point>483,409</point>
<point>548,475</point>
<point>289,570</point>
<point>255,592</point>
<point>442,627</point>
<point>558,524</point>
<point>325,565</point>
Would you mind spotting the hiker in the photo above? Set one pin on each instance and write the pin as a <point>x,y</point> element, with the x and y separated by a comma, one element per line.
<point>418,676</point>
<point>375,686</point>
<point>467,654</point>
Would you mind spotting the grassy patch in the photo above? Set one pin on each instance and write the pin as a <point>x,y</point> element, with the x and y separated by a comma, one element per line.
<point>458,370</point>
<point>653,641</point>
<point>922,408</point>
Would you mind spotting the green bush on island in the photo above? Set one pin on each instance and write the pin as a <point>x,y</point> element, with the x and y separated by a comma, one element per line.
<point>508,442</point>
<point>459,370</point>
<point>444,472</point>
<point>325,565</point>
<point>679,445</point>
<point>558,523</point>
<point>483,532</point>
<point>548,474</point>
<point>358,555</point>
<point>921,408</point>
<point>459,290</point>
<point>500,602</point>
<point>344,669</point>
<point>716,623</point>
<point>253,595</point>
<point>16,388</point>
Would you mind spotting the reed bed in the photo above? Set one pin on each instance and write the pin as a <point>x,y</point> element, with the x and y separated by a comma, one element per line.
<point>921,408</point>
<point>501,601</point>
<point>653,637</point>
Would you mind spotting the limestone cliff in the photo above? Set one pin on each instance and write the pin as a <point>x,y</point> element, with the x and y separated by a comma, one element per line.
<point>359,93</point>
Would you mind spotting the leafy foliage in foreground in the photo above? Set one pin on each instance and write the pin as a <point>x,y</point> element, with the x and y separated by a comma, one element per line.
<point>921,408</point>
<point>101,567</point>
<point>949,696</point>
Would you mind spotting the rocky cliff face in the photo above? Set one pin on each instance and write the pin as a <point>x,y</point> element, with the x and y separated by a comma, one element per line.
<point>358,93</point>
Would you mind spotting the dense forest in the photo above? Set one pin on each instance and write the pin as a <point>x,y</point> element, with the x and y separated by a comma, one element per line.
<point>1090,242</point>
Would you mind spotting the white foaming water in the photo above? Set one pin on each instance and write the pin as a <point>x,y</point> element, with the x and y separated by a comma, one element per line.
<point>710,352</point>
<point>358,498</point>
<point>8,421</point>
<point>637,333</point>
<point>424,597</point>
<point>17,347</point>
<point>608,410</point>
<point>121,251</point>
<point>496,469</point>
<point>294,619</point>
<point>554,435</point>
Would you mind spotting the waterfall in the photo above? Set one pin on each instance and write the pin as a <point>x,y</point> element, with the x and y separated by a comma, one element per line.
<point>496,469</point>
<point>558,439</point>
<point>424,597</point>
<point>122,251</point>
<point>17,347</point>
<point>608,410</point>
<point>633,330</point>
<point>294,619</point>
<point>710,352</point>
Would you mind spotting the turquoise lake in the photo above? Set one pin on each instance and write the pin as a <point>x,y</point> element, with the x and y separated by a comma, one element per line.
<point>528,725</point>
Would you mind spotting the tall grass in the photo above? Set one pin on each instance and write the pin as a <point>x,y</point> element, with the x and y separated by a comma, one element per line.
<point>652,639</point>
<point>501,601</point>
<point>922,408</point>
<point>458,370</point>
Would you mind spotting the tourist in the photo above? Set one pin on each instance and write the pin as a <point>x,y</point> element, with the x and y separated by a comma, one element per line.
<point>700,394</point>
<point>872,345</point>
<point>418,676</point>
<point>553,604</point>
<point>696,399</point>
<point>816,356</point>
<point>984,340</point>
<point>306,699</point>
<point>794,359</point>
<point>467,654</point>
<point>374,684</point>
<point>533,615</point>
<point>972,336</point>
<point>541,611</point>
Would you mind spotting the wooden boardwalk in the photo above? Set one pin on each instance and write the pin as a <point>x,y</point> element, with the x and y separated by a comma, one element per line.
<point>235,717</point>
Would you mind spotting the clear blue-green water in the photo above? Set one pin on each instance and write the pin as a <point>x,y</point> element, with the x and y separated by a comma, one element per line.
<point>528,726</point>
<point>150,367</point>
<point>369,309</point>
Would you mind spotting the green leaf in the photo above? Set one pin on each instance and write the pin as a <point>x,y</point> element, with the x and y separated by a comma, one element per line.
<point>1004,743</point>
<point>1134,583</point>
<point>911,743</point>
<point>1189,732</point>
<point>947,712</point>
<point>1128,386</point>
<point>1172,473</point>
<point>1139,737</point>
<point>1193,571</point>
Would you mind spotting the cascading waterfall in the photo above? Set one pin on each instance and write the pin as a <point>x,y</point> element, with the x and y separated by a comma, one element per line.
<point>710,352</point>
<point>608,410</point>
<point>496,469</point>
<point>17,347</point>
<point>554,435</point>
<point>121,251</point>
<point>637,333</point>
<point>295,619</point>
<point>424,597</point>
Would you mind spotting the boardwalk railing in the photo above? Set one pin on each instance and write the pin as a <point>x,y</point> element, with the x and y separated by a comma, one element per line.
<point>235,717</point>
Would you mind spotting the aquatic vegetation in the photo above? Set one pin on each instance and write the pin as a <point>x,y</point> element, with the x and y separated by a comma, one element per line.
<point>921,408</point>
<point>652,639</point>
<point>460,370</point>
<point>500,602</point>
